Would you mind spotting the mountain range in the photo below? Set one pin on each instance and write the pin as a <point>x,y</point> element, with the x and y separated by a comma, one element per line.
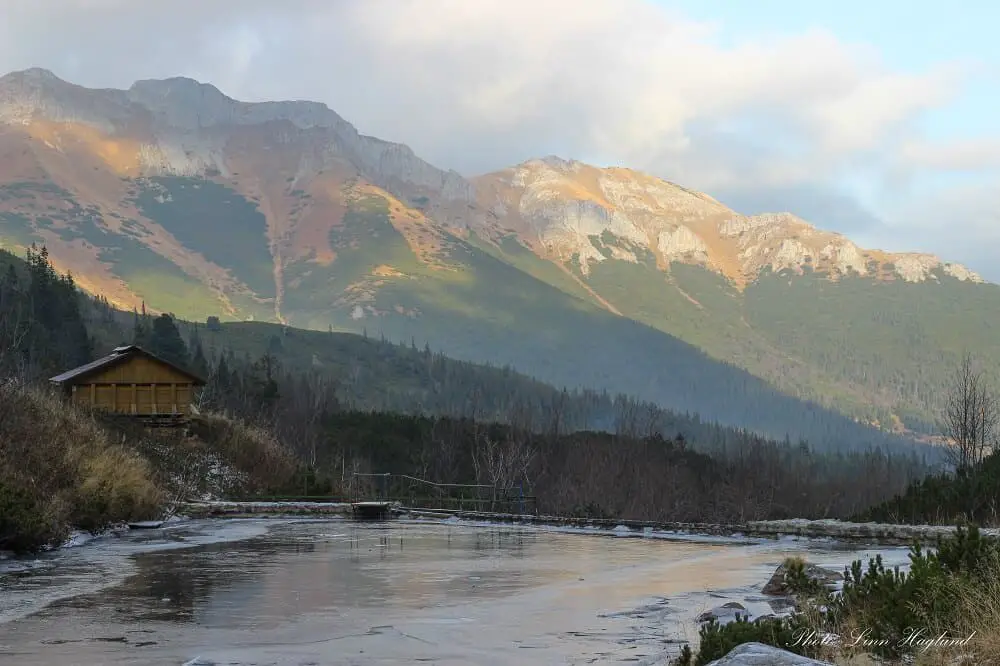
<point>173,195</point>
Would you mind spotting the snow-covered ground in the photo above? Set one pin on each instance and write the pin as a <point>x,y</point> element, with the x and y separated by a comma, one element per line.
<point>844,529</point>
<point>788,530</point>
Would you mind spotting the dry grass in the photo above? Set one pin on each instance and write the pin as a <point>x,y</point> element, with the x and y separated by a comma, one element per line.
<point>979,616</point>
<point>60,469</point>
<point>794,561</point>
<point>258,458</point>
<point>976,613</point>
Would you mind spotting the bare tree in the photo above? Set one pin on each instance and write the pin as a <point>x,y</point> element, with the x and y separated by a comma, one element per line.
<point>14,329</point>
<point>626,417</point>
<point>971,417</point>
<point>502,463</point>
<point>557,414</point>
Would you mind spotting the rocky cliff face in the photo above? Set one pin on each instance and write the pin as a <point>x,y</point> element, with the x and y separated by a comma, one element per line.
<point>174,195</point>
<point>183,127</point>
<point>179,126</point>
<point>563,205</point>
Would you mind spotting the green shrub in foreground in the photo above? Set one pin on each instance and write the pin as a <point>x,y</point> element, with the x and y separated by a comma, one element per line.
<point>785,633</point>
<point>888,604</point>
<point>27,522</point>
<point>881,605</point>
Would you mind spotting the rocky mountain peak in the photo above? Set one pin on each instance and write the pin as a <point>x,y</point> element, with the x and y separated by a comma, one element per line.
<point>35,74</point>
<point>556,162</point>
<point>186,104</point>
<point>184,128</point>
<point>780,241</point>
<point>566,204</point>
<point>39,93</point>
<point>182,102</point>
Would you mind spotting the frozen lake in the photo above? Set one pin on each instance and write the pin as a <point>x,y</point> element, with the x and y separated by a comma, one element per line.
<point>297,592</point>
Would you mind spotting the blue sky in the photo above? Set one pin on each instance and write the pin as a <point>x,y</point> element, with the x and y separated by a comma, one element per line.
<point>879,119</point>
<point>909,36</point>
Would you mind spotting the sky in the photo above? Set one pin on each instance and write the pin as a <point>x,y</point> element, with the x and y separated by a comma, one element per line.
<point>878,119</point>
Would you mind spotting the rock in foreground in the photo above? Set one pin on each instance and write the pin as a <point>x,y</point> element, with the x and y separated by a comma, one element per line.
<point>778,584</point>
<point>758,654</point>
<point>725,613</point>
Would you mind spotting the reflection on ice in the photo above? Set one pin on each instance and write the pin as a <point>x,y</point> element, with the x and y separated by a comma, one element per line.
<point>333,591</point>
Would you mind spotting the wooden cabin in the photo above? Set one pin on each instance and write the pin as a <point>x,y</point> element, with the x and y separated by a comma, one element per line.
<point>131,382</point>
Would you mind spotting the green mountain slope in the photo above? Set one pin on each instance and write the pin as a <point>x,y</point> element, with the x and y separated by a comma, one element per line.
<point>877,350</point>
<point>872,334</point>
<point>374,374</point>
<point>173,197</point>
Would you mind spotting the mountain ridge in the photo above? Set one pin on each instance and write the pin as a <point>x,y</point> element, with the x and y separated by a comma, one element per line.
<point>182,103</point>
<point>702,230</point>
<point>174,196</point>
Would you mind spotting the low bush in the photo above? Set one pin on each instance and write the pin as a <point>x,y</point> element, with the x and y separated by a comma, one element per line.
<point>60,469</point>
<point>261,462</point>
<point>950,593</point>
<point>888,605</point>
<point>716,641</point>
<point>798,581</point>
<point>115,484</point>
<point>28,522</point>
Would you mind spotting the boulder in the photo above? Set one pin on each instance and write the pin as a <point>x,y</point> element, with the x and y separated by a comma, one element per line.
<point>778,585</point>
<point>725,613</point>
<point>758,654</point>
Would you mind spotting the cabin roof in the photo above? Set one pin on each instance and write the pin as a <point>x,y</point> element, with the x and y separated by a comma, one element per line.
<point>119,355</point>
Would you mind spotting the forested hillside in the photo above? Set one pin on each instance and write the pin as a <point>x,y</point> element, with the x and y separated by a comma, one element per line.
<point>877,349</point>
<point>362,372</point>
<point>334,419</point>
<point>371,373</point>
<point>585,277</point>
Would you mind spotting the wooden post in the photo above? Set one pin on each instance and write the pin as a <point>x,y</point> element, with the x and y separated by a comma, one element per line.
<point>114,397</point>
<point>135,399</point>
<point>173,397</point>
<point>153,391</point>
<point>93,395</point>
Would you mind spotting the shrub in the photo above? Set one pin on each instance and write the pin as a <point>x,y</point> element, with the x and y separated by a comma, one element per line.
<point>798,581</point>
<point>716,641</point>
<point>27,521</point>
<point>115,485</point>
<point>889,604</point>
<point>686,658</point>
<point>59,469</point>
<point>953,590</point>
<point>264,464</point>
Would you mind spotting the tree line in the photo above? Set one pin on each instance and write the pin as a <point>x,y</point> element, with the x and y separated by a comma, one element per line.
<point>582,453</point>
<point>969,491</point>
<point>409,410</point>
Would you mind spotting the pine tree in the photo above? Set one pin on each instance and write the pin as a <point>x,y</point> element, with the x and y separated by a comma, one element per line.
<point>223,378</point>
<point>58,333</point>
<point>166,342</point>
<point>10,279</point>
<point>199,364</point>
<point>140,330</point>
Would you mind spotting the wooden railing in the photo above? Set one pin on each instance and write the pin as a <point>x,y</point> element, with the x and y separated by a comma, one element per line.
<point>416,493</point>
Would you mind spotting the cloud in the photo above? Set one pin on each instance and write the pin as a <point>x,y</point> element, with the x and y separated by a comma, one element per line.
<point>478,85</point>
<point>960,223</point>
<point>964,155</point>
<point>817,203</point>
<point>622,80</point>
